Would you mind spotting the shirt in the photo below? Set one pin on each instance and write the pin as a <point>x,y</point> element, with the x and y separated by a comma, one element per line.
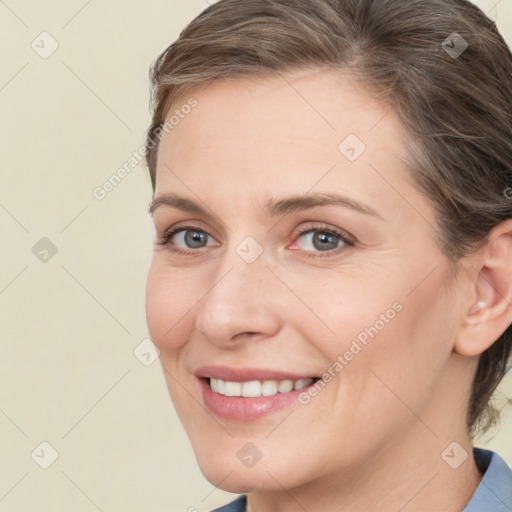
<point>493,494</point>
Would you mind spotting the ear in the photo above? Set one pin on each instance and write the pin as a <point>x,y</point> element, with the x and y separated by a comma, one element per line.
<point>488,311</point>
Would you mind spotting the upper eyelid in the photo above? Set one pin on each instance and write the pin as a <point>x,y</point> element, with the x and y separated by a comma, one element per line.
<point>301,231</point>
<point>186,227</point>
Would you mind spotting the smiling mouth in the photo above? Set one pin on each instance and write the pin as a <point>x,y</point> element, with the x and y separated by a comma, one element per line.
<point>257,388</point>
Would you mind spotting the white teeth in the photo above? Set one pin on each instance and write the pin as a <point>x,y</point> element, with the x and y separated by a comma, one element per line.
<point>255,388</point>
<point>252,388</point>
<point>232,388</point>
<point>217,385</point>
<point>269,387</point>
<point>302,383</point>
<point>285,386</point>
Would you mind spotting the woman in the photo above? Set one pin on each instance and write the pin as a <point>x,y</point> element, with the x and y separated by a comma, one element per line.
<point>331,284</point>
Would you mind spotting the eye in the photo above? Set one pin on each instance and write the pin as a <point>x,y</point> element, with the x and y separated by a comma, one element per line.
<point>316,239</point>
<point>323,239</point>
<point>188,237</point>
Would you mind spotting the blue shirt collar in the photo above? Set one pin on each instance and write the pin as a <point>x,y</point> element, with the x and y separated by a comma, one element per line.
<point>494,493</point>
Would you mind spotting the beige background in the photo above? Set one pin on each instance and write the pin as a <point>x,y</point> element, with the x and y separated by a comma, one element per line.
<point>69,325</point>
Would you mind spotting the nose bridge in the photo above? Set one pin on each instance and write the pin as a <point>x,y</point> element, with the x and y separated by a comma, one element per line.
<point>242,265</point>
<point>237,299</point>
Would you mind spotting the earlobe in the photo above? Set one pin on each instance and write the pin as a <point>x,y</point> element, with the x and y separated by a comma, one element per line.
<point>490,312</point>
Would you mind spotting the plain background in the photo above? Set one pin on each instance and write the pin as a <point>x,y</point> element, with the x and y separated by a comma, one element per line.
<point>71,322</point>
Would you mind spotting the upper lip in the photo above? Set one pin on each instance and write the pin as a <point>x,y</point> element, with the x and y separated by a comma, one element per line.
<point>232,374</point>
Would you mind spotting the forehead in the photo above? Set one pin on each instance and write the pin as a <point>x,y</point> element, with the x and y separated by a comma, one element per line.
<point>283,132</point>
<point>305,106</point>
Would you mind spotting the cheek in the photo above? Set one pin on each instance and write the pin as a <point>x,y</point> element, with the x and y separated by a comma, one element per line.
<point>341,308</point>
<point>374,324</point>
<point>402,361</point>
<point>169,307</point>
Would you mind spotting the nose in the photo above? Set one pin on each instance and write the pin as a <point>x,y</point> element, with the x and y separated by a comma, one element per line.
<point>240,303</point>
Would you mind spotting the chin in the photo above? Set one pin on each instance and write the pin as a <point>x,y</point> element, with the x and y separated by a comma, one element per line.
<point>232,476</point>
<point>216,474</point>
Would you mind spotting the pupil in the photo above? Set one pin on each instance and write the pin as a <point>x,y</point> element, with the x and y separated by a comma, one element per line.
<point>194,237</point>
<point>324,239</point>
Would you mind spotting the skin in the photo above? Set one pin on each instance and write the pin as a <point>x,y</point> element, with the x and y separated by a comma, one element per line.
<point>372,439</point>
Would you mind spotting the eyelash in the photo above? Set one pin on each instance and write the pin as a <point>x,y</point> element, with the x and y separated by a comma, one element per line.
<point>344,237</point>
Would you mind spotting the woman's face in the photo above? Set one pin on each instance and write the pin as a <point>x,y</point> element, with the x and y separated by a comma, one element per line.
<point>266,282</point>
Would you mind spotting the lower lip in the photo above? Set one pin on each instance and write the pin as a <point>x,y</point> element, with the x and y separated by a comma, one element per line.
<point>241,408</point>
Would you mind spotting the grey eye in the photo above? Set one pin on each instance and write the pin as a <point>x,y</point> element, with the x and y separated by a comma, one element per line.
<point>320,241</point>
<point>193,239</point>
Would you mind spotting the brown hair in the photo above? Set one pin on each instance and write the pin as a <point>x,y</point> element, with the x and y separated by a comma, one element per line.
<point>456,104</point>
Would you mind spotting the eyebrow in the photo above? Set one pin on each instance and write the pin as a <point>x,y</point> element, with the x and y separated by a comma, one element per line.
<point>273,208</point>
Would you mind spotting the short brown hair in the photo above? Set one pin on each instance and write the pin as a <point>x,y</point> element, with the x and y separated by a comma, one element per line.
<point>457,107</point>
